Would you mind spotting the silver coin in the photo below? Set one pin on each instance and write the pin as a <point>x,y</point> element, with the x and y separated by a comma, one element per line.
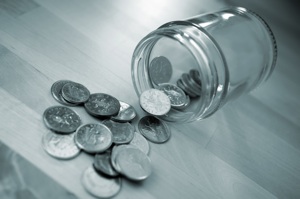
<point>195,75</point>
<point>56,91</point>
<point>102,163</point>
<point>122,132</point>
<point>160,70</point>
<point>101,104</point>
<point>75,93</point>
<point>134,164</point>
<point>115,151</point>
<point>154,129</point>
<point>99,185</point>
<point>176,95</point>
<point>60,146</point>
<point>186,104</point>
<point>61,119</point>
<point>155,102</point>
<point>140,142</point>
<point>185,88</point>
<point>187,80</point>
<point>126,113</point>
<point>93,138</point>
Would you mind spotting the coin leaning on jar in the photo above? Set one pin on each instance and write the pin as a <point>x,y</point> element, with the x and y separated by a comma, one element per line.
<point>61,119</point>
<point>155,102</point>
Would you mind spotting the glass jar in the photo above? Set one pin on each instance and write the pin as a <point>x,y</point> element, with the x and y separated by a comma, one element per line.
<point>214,58</point>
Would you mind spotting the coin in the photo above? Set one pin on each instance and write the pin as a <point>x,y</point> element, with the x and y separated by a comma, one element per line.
<point>154,129</point>
<point>126,113</point>
<point>155,102</point>
<point>103,105</point>
<point>176,95</point>
<point>75,93</point>
<point>60,146</point>
<point>195,75</point>
<point>61,119</point>
<point>186,104</point>
<point>102,163</point>
<point>160,70</point>
<point>185,88</point>
<point>115,151</point>
<point>134,164</point>
<point>56,91</point>
<point>194,87</point>
<point>122,132</point>
<point>140,142</point>
<point>93,138</point>
<point>99,185</point>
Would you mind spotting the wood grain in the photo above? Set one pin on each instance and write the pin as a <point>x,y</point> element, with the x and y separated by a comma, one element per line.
<point>248,149</point>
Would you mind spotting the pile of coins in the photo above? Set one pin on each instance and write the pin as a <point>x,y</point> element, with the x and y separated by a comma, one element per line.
<point>187,86</point>
<point>119,150</point>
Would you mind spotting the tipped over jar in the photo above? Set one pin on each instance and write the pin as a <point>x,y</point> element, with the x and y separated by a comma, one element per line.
<point>213,58</point>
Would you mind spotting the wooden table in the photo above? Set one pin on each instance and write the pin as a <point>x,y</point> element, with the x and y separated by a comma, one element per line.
<point>249,149</point>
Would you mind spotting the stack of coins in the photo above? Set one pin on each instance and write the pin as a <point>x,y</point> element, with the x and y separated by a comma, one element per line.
<point>180,93</point>
<point>118,149</point>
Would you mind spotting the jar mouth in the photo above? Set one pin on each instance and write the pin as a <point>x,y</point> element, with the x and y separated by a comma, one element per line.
<point>208,60</point>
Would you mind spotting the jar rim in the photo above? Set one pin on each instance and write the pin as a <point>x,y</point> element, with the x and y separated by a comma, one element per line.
<point>212,94</point>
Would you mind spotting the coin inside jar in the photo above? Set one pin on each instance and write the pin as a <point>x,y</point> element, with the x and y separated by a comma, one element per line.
<point>155,102</point>
<point>160,70</point>
<point>61,119</point>
<point>176,95</point>
<point>93,138</point>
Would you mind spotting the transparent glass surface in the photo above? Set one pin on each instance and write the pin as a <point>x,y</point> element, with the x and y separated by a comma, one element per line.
<point>231,51</point>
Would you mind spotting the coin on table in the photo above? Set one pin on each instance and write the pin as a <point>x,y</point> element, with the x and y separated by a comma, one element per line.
<point>160,70</point>
<point>176,95</point>
<point>102,105</point>
<point>75,93</point>
<point>155,102</point>
<point>122,132</point>
<point>102,163</point>
<point>140,142</point>
<point>93,138</point>
<point>60,146</point>
<point>154,129</point>
<point>99,185</point>
<point>126,113</point>
<point>56,91</point>
<point>61,119</point>
<point>134,164</point>
<point>115,151</point>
